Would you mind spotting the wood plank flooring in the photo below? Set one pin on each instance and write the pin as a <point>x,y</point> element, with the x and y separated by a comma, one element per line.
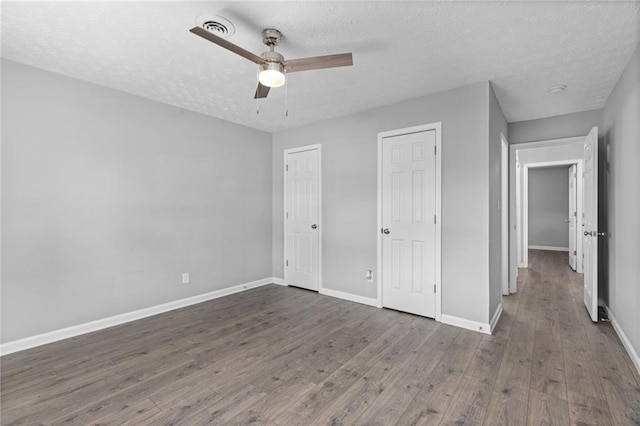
<point>284,356</point>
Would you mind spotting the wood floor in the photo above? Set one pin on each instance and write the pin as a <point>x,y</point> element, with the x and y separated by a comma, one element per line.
<point>284,356</point>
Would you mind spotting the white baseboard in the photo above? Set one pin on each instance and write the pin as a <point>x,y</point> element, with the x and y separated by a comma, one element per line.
<point>465,323</point>
<point>350,297</point>
<point>276,280</point>
<point>549,248</point>
<point>624,339</point>
<point>76,330</point>
<point>495,318</point>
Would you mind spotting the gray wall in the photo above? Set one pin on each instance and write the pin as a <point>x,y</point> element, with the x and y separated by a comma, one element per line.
<point>349,185</point>
<point>107,198</point>
<point>549,207</point>
<point>561,126</point>
<point>497,125</point>
<point>622,132</point>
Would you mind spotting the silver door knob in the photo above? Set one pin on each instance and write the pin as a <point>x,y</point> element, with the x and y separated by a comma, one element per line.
<point>385,231</point>
<point>587,233</point>
<point>567,220</point>
<point>314,226</point>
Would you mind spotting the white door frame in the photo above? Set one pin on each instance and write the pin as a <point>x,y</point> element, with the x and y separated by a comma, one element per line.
<point>516,184</point>
<point>525,205</point>
<point>438,205</point>
<point>504,213</point>
<point>317,147</point>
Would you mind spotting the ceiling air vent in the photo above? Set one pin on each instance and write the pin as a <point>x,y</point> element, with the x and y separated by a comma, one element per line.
<point>217,25</point>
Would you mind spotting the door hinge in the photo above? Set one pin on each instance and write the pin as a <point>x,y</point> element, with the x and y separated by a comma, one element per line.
<point>434,219</point>
<point>286,167</point>
<point>287,263</point>
<point>287,215</point>
<point>575,252</point>
<point>434,288</point>
<point>435,150</point>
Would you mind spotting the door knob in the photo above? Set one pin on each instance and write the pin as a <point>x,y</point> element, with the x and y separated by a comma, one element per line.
<point>594,234</point>
<point>385,230</point>
<point>567,220</point>
<point>314,226</point>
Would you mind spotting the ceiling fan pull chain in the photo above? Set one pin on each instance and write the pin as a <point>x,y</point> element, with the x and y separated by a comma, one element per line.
<point>286,99</point>
<point>258,102</point>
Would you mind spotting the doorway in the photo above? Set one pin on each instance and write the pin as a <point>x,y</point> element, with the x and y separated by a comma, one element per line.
<point>409,248</point>
<point>302,209</point>
<point>581,151</point>
<point>553,229</point>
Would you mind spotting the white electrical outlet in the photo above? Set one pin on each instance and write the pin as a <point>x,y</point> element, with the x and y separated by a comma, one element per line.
<point>369,275</point>
<point>185,278</point>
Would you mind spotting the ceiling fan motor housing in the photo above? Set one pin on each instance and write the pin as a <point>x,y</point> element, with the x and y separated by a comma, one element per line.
<point>271,37</point>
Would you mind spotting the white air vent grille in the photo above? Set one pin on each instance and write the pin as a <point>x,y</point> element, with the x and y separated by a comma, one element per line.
<point>217,25</point>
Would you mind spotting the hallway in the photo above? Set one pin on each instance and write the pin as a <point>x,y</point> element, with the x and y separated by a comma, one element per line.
<point>579,371</point>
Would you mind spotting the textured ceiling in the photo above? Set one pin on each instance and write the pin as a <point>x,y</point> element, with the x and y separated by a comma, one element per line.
<point>401,50</point>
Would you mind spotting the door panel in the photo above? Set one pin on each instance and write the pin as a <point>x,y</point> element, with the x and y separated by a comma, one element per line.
<point>590,223</point>
<point>408,211</point>
<point>302,246</point>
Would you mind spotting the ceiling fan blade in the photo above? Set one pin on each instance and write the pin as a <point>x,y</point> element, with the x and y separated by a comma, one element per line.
<point>261,91</point>
<point>227,45</point>
<point>318,62</point>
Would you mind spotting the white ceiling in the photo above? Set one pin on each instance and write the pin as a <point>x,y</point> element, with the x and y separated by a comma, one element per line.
<point>401,50</point>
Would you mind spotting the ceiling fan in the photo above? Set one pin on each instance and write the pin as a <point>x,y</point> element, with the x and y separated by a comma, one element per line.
<point>273,66</point>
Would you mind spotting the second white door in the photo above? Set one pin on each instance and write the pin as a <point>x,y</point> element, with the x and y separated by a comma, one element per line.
<point>408,222</point>
<point>302,214</point>
<point>573,217</point>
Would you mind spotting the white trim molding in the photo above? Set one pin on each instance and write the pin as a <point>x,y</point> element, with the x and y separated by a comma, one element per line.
<point>467,324</point>
<point>350,297</point>
<point>550,248</point>
<point>496,317</point>
<point>278,281</point>
<point>624,339</point>
<point>88,327</point>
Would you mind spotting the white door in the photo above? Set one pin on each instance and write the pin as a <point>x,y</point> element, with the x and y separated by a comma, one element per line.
<point>302,213</point>
<point>408,201</point>
<point>590,223</point>
<point>573,217</point>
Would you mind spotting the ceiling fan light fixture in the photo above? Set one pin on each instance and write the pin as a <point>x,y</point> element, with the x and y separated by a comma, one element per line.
<point>271,74</point>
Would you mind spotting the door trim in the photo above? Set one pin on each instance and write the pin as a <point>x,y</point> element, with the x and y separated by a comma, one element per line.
<point>525,207</point>
<point>437,126</point>
<point>504,214</point>
<point>515,200</point>
<point>317,147</point>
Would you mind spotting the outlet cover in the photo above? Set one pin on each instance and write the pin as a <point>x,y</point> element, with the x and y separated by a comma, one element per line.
<point>369,275</point>
<point>185,278</point>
